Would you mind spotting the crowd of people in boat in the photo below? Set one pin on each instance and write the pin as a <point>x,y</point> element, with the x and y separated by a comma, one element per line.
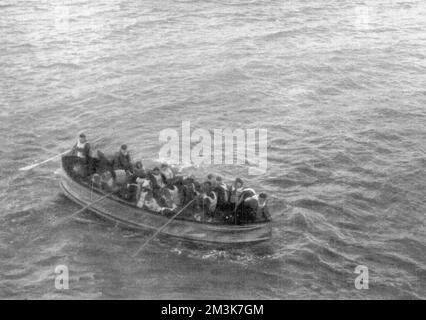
<point>165,191</point>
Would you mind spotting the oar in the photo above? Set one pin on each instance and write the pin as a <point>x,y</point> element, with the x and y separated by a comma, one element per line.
<point>86,207</point>
<point>162,228</point>
<point>27,168</point>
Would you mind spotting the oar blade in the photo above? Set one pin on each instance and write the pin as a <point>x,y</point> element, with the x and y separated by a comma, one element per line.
<point>32,166</point>
<point>28,168</point>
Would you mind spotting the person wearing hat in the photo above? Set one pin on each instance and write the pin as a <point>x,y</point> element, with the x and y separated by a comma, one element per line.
<point>82,148</point>
<point>122,160</point>
<point>139,170</point>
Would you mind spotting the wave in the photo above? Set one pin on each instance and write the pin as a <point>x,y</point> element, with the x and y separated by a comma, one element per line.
<point>8,5</point>
<point>59,65</point>
<point>323,207</point>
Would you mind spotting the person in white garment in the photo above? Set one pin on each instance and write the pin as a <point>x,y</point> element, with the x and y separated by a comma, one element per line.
<point>82,148</point>
<point>167,172</point>
<point>151,203</point>
<point>236,191</point>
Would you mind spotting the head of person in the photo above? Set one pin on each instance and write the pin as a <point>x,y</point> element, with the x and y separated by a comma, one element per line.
<point>207,185</point>
<point>262,198</point>
<point>164,166</point>
<point>82,138</point>
<point>210,177</point>
<point>156,171</point>
<point>96,178</point>
<point>219,179</point>
<point>106,176</point>
<point>239,183</point>
<point>139,165</point>
<point>123,150</point>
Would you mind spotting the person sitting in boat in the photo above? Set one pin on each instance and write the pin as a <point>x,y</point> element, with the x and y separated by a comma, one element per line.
<point>212,179</point>
<point>139,170</point>
<point>236,190</point>
<point>209,200</point>
<point>108,183</point>
<point>130,192</point>
<point>167,197</point>
<point>151,203</point>
<point>82,148</point>
<point>222,192</point>
<point>241,214</point>
<point>257,208</point>
<point>190,190</point>
<point>167,172</point>
<point>158,180</point>
<point>122,160</point>
<point>144,185</point>
<point>96,181</point>
<point>104,163</point>
<point>138,179</point>
<point>175,194</point>
<point>245,193</point>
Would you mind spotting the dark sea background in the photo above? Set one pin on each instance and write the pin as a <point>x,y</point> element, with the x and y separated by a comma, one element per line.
<point>339,85</point>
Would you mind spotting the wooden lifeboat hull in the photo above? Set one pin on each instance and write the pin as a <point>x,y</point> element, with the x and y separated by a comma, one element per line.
<point>119,211</point>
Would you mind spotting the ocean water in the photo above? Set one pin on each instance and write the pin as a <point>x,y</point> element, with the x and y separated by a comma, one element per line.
<point>339,85</point>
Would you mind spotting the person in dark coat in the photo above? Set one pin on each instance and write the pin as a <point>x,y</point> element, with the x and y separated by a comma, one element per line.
<point>158,181</point>
<point>139,172</point>
<point>223,194</point>
<point>122,160</point>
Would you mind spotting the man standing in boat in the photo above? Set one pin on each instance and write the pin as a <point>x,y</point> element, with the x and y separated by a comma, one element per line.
<point>82,148</point>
